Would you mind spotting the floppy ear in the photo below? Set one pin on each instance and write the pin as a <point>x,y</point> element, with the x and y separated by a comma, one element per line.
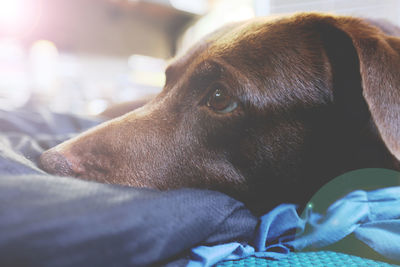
<point>378,65</point>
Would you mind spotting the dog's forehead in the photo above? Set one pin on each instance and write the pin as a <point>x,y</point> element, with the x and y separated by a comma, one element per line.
<point>231,40</point>
<point>211,46</point>
<point>244,31</point>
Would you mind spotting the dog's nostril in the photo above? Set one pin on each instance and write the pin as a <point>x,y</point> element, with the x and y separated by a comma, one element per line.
<point>55,163</point>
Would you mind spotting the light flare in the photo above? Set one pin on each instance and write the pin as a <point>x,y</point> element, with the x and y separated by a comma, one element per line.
<point>19,17</point>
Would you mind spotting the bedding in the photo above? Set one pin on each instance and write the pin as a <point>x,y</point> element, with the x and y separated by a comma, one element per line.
<point>362,223</point>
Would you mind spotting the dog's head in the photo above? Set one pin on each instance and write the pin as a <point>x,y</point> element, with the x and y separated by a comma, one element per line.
<point>264,110</point>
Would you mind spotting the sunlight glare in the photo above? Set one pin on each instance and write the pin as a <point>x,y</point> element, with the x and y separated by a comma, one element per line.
<point>11,11</point>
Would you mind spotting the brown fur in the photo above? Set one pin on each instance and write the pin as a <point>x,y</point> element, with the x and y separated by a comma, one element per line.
<point>318,95</point>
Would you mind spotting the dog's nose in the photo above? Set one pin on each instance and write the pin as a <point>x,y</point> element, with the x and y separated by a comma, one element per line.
<point>55,162</point>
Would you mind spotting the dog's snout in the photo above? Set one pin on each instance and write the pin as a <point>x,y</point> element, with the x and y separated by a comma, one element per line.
<point>55,162</point>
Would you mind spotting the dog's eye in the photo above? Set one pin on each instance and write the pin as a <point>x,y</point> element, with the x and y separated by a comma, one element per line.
<point>221,102</point>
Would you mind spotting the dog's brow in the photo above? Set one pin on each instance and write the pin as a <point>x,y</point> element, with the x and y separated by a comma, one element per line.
<point>206,71</point>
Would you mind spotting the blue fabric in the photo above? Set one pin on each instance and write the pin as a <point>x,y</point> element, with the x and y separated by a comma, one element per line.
<point>54,221</point>
<point>372,217</point>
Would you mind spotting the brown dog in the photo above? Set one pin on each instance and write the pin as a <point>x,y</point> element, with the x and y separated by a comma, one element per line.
<point>265,110</point>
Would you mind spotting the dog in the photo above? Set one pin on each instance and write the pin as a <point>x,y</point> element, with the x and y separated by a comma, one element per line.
<point>266,110</point>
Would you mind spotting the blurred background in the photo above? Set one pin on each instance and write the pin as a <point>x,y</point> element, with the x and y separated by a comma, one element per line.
<point>81,56</point>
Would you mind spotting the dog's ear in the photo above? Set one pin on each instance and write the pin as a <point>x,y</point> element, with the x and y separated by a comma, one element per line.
<point>361,50</point>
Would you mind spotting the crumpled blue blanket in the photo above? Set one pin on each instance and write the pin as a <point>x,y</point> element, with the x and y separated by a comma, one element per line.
<point>370,217</point>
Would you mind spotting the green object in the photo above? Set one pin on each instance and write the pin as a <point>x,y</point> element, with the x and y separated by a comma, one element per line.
<point>314,259</point>
<point>363,179</point>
